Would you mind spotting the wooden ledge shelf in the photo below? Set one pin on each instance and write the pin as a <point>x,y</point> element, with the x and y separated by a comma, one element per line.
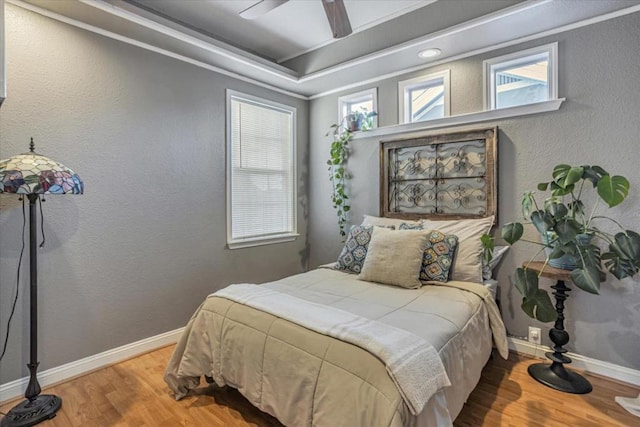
<point>464,119</point>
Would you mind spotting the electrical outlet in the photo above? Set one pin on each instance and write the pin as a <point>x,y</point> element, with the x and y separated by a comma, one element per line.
<point>535,335</point>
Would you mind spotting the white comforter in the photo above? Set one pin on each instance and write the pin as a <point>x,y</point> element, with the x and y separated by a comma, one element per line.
<point>412,363</point>
<point>255,353</point>
<point>434,312</point>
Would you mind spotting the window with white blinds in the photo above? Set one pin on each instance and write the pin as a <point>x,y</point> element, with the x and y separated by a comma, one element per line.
<point>261,188</point>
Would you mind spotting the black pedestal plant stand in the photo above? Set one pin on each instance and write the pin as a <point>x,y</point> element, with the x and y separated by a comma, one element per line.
<point>37,407</point>
<point>556,375</point>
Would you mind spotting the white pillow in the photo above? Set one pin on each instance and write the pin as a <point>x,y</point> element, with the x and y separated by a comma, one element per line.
<point>487,267</point>
<point>467,266</point>
<point>395,257</point>
<point>492,285</point>
<point>386,222</point>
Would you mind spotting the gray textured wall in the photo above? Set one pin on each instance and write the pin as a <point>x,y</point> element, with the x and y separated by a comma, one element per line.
<point>137,254</point>
<point>598,124</point>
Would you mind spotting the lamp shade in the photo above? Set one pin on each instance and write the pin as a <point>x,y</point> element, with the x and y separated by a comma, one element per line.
<point>32,173</point>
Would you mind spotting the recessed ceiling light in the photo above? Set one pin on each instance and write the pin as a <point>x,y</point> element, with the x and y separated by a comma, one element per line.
<point>428,53</point>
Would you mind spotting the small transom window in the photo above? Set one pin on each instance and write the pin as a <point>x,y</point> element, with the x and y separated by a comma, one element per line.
<point>521,78</point>
<point>424,98</point>
<point>365,101</point>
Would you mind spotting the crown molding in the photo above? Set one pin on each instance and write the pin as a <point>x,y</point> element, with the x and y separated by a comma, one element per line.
<point>152,21</point>
<point>91,28</point>
<point>270,75</point>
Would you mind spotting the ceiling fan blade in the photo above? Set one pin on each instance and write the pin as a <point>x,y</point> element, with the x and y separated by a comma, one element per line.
<point>338,18</point>
<point>260,8</point>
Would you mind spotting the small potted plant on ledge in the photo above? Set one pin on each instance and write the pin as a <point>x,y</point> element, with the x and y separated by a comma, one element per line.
<point>359,120</point>
<point>571,236</point>
<point>338,157</point>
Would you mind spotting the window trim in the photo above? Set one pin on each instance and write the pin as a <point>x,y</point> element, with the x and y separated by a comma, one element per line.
<point>360,96</point>
<point>272,238</point>
<point>488,78</point>
<point>403,101</point>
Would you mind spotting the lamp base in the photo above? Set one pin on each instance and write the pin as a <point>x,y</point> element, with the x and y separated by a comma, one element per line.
<point>28,413</point>
<point>558,377</point>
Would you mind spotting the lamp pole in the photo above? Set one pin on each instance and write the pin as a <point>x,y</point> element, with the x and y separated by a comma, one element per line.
<point>38,407</point>
<point>33,389</point>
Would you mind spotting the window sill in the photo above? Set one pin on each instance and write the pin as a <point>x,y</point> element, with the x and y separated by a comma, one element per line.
<point>463,119</point>
<point>247,243</point>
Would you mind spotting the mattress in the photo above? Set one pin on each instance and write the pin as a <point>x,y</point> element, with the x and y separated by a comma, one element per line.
<point>305,378</point>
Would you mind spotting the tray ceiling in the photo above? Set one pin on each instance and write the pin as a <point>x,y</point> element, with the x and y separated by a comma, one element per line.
<point>187,31</point>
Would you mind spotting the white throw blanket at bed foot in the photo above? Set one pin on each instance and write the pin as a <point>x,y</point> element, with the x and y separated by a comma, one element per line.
<point>413,364</point>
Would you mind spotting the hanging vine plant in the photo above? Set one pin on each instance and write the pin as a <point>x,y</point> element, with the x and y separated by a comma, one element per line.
<point>338,174</point>
<point>339,153</point>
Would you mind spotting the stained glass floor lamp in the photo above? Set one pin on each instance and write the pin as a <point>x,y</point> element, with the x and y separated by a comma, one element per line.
<point>33,175</point>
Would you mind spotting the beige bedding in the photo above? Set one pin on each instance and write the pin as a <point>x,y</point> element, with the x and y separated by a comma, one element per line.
<point>306,378</point>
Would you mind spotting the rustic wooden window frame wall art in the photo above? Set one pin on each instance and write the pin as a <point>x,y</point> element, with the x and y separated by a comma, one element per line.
<point>446,175</point>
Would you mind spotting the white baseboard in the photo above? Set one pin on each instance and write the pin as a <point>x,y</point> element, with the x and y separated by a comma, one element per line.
<point>605,369</point>
<point>16,388</point>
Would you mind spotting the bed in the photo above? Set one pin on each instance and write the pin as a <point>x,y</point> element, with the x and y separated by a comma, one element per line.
<point>367,341</point>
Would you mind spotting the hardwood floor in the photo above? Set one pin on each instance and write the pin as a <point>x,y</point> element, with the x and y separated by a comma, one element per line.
<point>507,396</point>
<point>132,393</point>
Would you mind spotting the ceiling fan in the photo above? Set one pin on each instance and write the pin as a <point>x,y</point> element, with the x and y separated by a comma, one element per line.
<point>334,9</point>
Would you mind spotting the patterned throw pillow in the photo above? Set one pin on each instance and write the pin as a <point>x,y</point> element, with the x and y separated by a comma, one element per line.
<point>467,266</point>
<point>438,257</point>
<point>355,248</point>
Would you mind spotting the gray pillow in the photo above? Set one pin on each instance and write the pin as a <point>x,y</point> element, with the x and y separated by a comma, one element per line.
<point>395,257</point>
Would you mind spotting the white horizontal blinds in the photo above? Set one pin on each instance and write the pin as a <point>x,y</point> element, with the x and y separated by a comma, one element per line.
<point>261,170</point>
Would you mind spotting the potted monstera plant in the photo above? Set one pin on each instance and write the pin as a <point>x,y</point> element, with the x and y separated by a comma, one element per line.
<point>572,231</point>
